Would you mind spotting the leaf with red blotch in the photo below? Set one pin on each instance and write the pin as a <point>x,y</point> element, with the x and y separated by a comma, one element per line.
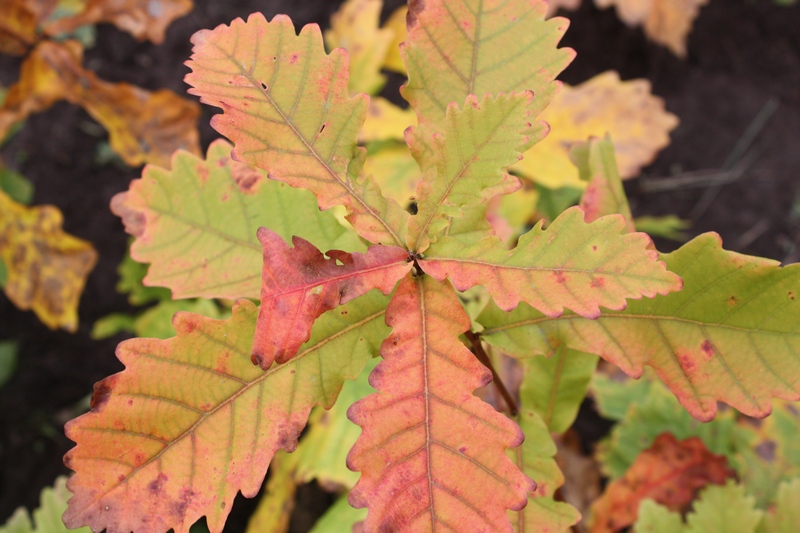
<point>456,48</point>
<point>287,109</point>
<point>570,264</point>
<point>431,454</point>
<point>196,223</point>
<point>732,334</point>
<point>299,284</point>
<point>191,421</point>
<point>670,472</point>
<point>604,194</point>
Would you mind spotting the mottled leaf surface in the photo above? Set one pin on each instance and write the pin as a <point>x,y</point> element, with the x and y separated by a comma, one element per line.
<point>432,455</point>
<point>191,421</point>
<point>287,109</point>
<point>299,283</point>
<point>730,335</point>
<point>45,268</point>
<point>571,264</point>
<point>196,223</point>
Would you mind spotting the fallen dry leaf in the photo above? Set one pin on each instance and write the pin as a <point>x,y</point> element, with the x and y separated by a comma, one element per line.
<point>143,127</point>
<point>636,120</point>
<point>670,472</point>
<point>19,21</point>
<point>144,19</point>
<point>666,22</point>
<point>46,267</point>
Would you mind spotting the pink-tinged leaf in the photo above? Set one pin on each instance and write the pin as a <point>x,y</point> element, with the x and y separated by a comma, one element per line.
<point>460,47</point>
<point>431,454</point>
<point>479,143</point>
<point>571,265</point>
<point>732,334</point>
<point>299,284</point>
<point>287,109</point>
<point>191,421</point>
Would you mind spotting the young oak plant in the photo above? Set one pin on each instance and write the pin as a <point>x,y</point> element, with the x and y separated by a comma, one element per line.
<point>191,421</point>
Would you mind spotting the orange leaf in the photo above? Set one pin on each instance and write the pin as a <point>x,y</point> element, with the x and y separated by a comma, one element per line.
<point>670,472</point>
<point>144,19</point>
<point>287,109</point>
<point>19,21</point>
<point>571,264</point>
<point>432,455</point>
<point>143,127</point>
<point>191,421</point>
<point>46,267</point>
<point>299,284</point>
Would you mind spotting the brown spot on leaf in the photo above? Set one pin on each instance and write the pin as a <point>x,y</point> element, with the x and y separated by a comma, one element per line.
<point>415,7</point>
<point>598,282</point>
<point>561,278</point>
<point>732,301</point>
<point>687,363</point>
<point>791,295</point>
<point>594,248</point>
<point>102,392</point>
<point>293,59</point>
<point>708,349</point>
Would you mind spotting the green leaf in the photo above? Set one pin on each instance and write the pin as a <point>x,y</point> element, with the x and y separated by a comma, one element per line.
<point>732,334</point>
<point>277,503</point>
<point>196,224</point>
<point>557,385</point>
<point>656,518</point>
<point>131,275</point>
<point>8,360</point>
<point>667,227</point>
<point>287,109</point>
<point>613,397</point>
<point>463,47</point>
<point>15,185</point>
<point>724,508</point>
<point>535,457</point>
<point>785,516</point>
<point>479,142</point>
<point>339,518</point>
<point>604,194</point>
<point>323,451</point>
<point>47,518</point>
<point>571,264</point>
<point>112,324</point>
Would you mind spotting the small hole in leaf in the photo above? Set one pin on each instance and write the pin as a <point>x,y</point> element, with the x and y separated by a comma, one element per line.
<point>322,128</point>
<point>263,85</point>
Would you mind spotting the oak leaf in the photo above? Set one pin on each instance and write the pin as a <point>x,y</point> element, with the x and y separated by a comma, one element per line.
<point>456,49</point>
<point>441,462</point>
<point>669,472</point>
<point>666,22</point>
<point>386,121</point>
<point>626,110</point>
<point>191,421</point>
<point>570,264</point>
<point>292,116</point>
<point>397,23</point>
<point>143,127</point>
<point>19,24</point>
<point>299,284</point>
<point>47,517</point>
<point>144,19</point>
<point>395,171</point>
<point>46,268</point>
<point>214,206</point>
<point>355,27</point>
<point>713,341</point>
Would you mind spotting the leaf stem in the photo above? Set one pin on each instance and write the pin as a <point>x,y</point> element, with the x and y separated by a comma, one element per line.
<point>480,353</point>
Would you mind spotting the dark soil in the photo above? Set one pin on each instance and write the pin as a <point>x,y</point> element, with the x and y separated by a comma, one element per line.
<point>742,55</point>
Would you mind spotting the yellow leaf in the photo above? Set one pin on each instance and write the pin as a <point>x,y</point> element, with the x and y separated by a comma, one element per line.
<point>385,121</point>
<point>666,22</point>
<point>143,127</point>
<point>397,23</point>
<point>635,119</point>
<point>144,19</point>
<point>355,27</point>
<point>395,171</point>
<point>46,267</point>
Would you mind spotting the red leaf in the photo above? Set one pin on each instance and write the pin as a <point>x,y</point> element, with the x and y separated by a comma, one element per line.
<point>432,455</point>
<point>669,472</point>
<point>299,284</point>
